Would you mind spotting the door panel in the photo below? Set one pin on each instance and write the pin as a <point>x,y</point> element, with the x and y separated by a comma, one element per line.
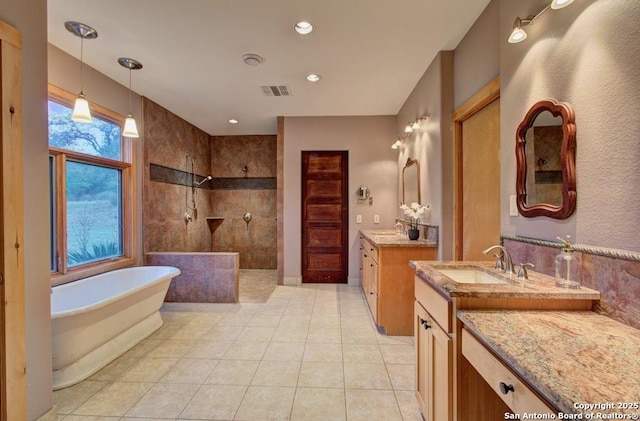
<point>481,182</point>
<point>325,216</point>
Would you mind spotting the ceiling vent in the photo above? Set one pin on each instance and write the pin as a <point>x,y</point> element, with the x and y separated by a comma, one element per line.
<point>276,90</point>
<point>252,59</point>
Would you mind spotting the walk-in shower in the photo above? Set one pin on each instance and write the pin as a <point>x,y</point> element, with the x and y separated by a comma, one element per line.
<point>192,193</point>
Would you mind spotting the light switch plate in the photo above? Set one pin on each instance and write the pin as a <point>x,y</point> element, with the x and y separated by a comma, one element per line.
<point>358,219</point>
<point>376,219</point>
<point>513,207</point>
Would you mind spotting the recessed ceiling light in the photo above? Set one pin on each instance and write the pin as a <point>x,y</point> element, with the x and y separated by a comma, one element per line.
<point>313,77</point>
<point>233,121</point>
<point>303,27</point>
<point>252,59</point>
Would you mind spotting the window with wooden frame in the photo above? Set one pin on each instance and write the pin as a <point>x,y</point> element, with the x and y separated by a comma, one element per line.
<point>92,175</point>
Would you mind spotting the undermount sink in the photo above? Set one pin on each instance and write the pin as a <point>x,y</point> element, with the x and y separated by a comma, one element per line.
<point>471,276</point>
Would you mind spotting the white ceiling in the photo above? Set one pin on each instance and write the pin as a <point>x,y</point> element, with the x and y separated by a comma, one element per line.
<point>370,53</point>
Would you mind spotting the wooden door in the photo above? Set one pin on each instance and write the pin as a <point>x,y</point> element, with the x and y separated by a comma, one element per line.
<point>325,223</point>
<point>477,125</point>
<point>12,326</point>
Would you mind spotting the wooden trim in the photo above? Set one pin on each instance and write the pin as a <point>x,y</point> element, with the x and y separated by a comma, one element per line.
<point>13,403</point>
<point>130,223</point>
<point>478,101</point>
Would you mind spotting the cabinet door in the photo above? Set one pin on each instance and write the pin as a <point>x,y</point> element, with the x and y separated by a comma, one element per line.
<point>434,358</point>
<point>372,293</point>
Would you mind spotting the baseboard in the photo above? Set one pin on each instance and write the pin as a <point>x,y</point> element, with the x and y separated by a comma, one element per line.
<point>353,281</point>
<point>292,281</point>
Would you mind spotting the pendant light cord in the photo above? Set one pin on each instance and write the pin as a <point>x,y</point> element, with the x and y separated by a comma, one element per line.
<point>129,89</point>
<point>81,62</point>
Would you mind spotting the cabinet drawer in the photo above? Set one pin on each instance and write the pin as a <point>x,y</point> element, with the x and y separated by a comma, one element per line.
<point>373,251</point>
<point>521,399</point>
<point>437,306</point>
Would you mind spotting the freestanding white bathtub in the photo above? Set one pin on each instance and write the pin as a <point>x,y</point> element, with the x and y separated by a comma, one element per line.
<point>96,319</point>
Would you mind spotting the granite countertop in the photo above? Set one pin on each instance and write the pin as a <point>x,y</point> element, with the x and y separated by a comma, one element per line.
<point>571,358</point>
<point>389,238</point>
<point>537,286</point>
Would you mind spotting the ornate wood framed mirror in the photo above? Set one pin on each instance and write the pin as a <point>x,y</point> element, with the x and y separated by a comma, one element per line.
<point>545,160</point>
<point>411,182</point>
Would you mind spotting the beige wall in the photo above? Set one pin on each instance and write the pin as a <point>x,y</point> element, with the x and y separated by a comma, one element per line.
<point>432,145</point>
<point>30,17</point>
<point>588,55</point>
<point>371,162</point>
<point>477,56</point>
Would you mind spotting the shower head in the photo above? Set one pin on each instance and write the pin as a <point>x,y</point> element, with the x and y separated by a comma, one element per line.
<point>196,184</point>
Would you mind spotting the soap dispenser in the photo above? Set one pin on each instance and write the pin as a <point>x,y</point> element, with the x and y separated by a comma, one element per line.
<point>567,266</point>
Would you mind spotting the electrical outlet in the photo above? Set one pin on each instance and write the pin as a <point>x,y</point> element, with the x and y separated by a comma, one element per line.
<point>358,219</point>
<point>376,219</point>
<point>513,206</point>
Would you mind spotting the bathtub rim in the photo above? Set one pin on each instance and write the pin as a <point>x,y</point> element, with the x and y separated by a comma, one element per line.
<point>171,273</point>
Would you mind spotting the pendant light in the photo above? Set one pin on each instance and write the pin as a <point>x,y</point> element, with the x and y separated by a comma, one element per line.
<point>81,112</point>
<point>130,128</point>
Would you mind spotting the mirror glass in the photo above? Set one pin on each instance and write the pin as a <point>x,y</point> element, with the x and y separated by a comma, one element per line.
<point>545,159</point>
<point>411,182</point>
<point>543,147</point>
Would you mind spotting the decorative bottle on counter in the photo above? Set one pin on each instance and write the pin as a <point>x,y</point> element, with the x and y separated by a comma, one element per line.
<point>567,266</point>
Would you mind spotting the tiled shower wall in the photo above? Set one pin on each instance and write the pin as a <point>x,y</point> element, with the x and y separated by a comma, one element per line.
<point>617,279</point>
<point>237,192</point>
<point>168,139</point>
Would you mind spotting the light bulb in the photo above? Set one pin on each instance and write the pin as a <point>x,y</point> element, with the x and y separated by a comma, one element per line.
<point>408,129</point>
<point>559,4</point>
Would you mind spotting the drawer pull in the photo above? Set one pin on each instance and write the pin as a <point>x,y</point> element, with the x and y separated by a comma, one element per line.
<point>506,388</point>
<point>371,249</point>
<point>424,323</point>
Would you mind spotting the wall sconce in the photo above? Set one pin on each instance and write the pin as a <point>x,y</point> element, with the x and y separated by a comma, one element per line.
<point>518,34</point>
<point>81,111</point>
<point>130,128</point>
<point>398,142</point>
<point>414,125</point>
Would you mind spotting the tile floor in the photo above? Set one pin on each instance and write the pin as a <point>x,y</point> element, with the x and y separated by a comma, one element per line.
<point>308,353</point>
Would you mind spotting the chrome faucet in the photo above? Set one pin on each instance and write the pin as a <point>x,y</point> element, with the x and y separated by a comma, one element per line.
<point>504,259</point>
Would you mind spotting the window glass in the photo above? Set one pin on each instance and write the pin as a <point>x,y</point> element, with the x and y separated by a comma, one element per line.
<point>100,138</point>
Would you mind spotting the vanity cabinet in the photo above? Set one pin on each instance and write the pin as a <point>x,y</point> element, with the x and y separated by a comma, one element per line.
<point>508,386</point>
<point>387,280</point>
<point>434,365</point>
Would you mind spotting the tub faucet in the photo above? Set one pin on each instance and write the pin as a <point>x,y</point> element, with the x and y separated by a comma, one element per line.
<point>504,258</point>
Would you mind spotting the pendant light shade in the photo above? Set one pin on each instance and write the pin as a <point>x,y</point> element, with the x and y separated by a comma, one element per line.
<point>518,34</point>
<point>559,4</point>
<point>130,127</point>
<point>81,111</point>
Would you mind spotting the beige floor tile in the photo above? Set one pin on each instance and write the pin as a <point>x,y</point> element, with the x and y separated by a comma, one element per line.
<point>256,334</point>
<point>233,372</point>
<point>324,336</point>
<point>327,353</point>
<point>408,405</point>
<point>398,354</point>
<point>324,322</point>
<point>171,348</point>
<point>284,351</point>
<point>177,317</point>
<point>209,349</point>
<point>262,403</point>
<point>359,336</point>
<point>295,321</point>
<point>191,332</point>
<point>115,368</point>
<point>115,399</point>
<point>90,418</point>
<point>166,331</point>
<point>190,371</point>
<point>319,374</point>
<point>290,334</point>
<point>358,353</point>
<point>372,405</point>
<point>318,405</point>
<point>214,402</point>
<point>163,401</point>
<point>269,319</point>
<point>403,376</point>
<point>246,351</point>
<point>143,348</point>
<point>366,376</point>
<point>223,333</point>
<point>147,370</point>
<point>395,340</point>
<point>236,319</point>
<point>277,373</point>
<point>69,398</point>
